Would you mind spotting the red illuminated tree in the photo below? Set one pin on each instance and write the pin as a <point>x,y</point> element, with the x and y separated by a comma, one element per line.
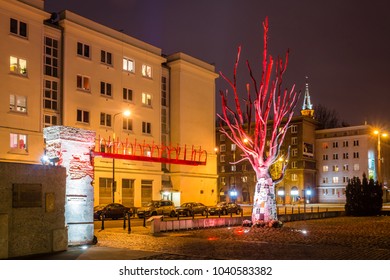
<point>259,128</point>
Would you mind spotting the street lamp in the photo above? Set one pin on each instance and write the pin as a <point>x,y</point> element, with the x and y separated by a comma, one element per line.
<point>126,114</point>
<point>379,135</point>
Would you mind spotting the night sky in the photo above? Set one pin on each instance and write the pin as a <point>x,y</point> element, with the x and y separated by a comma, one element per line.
<point>342,46</point>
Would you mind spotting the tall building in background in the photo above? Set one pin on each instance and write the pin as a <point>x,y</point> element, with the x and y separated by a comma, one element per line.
<point>64,69</point>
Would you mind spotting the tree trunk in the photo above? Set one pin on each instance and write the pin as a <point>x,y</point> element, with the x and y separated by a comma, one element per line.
<point>264,204</point>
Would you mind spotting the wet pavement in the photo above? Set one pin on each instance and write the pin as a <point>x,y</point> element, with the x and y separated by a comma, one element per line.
<point>342,238</point>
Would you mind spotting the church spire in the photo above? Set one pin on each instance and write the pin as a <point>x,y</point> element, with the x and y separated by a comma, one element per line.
<point>307,108</point>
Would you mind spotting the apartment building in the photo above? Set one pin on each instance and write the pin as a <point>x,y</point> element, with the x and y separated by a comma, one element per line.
<point>64,69</point>
<point>347,152</point>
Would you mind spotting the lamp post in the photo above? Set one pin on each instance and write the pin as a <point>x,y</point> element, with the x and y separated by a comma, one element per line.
<point>126,114</point>
<point>379,135</point>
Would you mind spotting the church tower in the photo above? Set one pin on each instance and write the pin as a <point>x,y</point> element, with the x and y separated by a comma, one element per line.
<point>307,108</point>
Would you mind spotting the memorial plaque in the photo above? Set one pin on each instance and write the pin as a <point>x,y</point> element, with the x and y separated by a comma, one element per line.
<point>26,195</point>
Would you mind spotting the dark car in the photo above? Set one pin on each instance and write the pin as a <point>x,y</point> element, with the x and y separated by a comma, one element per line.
<point>223,208</point>
<point>191,208</point>
<point>157,207</point>
<point>110,211</point>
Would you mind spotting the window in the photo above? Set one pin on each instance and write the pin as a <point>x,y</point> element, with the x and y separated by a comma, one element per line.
<point>356,167</point>
<point>164,95</point>
<point>294,177</point>
<point>345,167</point>
<point>325,180</point>
<point>18,65</point>
<point>335,156</point>
<point>244,167</point>
<point>82,116</point>
<point>164,121</point>
<point>146,191</point>
<point>335,180</point>
<point>244,179</point>
<point>18,141</point>
<point>50,120</point>
<point>233,147</point>
<point>325,157</point>
<point>325,168</point>
<point>345,155</point>
<point>106,89</point>
<point>355,143</point>
<point>222,137</point>
<point>335,168</point>
<point>146,99</point>
<point>232,180</point>
<point>233,168</point>
<point>128,65</point>
<point>105,119</point>
<point>335,144</point>
<point>127,124</point>
<point>345,179</point>
<point>222,158</point>
<point>127,94</point>
<point>146,128</point>
<point>51,57</point>
<point>223,181</point>
<point>83,50</point>
<point>325,145</point>
<point>83,83</point>
<point>222,148</point>
<point>294,152</point>
<point>294,164</point>
<point>294,140</point>
<point>106,57</point>
<point>18,27</point>
<point>18,103</point>
<point>222,168</point>
<point>50,95</point>
<point>294,129</point>
<point>356,155</point>
<point>146,71</point>
<point>345,143</point>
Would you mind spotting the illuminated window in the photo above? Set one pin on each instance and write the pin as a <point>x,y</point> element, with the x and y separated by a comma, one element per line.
<point>222,168</point>
<point>233,168</point>
<point>82,116</point>
<point>146,71</point>
<point>294,177</point>
<point>127,124</point>
<point>18,27</point>
<point>128,65</point>
<point>18,65</point>
<point>105,119</point>
<point>51,57</point>
<point>127,94</point>
<point>244,179</point>
<point>18,141</point>
<point>335,180</point>
<point>146,99</point>
<point>294,164</point>
<point>325,145</point>
<point>83,50</point>
<point>325,168</point>
<point>146,128</point>
<point>106,57</point>
<point>356,167</point>
<point>345,167</point>
<point>106,89</point>
<point>223,181</point>
<point>18,103</point>
<point>335,168</point>
<point>233,147</point>
<point>83,83</point>
<point>222,158</point>
<point>50,95</point>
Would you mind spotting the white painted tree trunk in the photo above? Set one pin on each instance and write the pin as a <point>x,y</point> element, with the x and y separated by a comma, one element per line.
<point>264,203</point>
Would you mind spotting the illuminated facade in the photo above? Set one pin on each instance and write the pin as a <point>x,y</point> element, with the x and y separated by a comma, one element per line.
<point>343,153</point>
<point>67,70</point>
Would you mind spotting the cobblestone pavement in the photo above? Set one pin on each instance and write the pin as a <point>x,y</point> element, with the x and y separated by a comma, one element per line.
<point>343,238</point>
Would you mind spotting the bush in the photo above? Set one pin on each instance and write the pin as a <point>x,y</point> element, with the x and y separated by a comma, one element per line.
<point>364,198</point>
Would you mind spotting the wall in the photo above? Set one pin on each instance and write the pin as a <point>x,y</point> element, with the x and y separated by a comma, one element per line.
<point>32,230</point>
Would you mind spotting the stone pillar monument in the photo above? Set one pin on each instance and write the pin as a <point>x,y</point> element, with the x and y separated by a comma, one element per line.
<point>70,147</point>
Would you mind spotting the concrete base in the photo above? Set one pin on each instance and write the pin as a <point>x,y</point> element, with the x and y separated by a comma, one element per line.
<point>3,236</point>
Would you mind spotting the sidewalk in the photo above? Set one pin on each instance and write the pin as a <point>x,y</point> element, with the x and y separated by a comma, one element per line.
<point>342,238</point>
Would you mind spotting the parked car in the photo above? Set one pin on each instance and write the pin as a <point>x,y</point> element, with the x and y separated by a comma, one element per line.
<point>157,207</point>
<point>110,211</point>
<point>191,208</point>
<point>225,208</point>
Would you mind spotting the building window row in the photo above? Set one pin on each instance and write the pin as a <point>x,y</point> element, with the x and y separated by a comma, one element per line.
<point>128,64</point>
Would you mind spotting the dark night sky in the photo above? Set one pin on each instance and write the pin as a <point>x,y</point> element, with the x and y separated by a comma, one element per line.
<point>342,46</point>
